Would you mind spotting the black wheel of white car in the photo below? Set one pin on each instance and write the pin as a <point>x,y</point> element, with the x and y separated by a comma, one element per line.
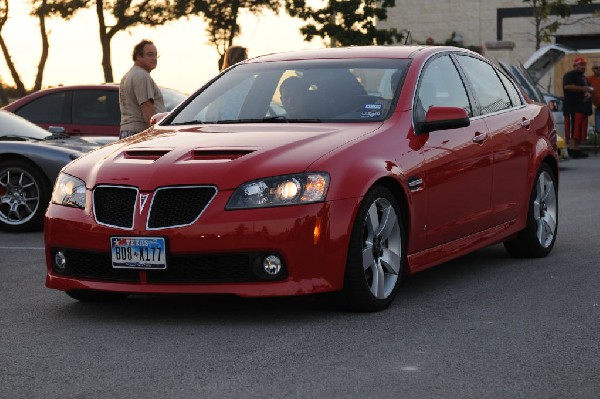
<point>376,254</point>
<point>24,195</point>
<point>539,236</point>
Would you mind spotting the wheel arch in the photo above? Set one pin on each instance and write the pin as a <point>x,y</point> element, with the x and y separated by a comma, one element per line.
<point>28,161</point>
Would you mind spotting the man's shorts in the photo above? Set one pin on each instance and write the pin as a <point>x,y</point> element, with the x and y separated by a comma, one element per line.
<point>576,126</point>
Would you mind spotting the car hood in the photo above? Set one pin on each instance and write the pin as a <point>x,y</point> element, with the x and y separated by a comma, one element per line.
<point>220,155</point>
<point>541,61</point>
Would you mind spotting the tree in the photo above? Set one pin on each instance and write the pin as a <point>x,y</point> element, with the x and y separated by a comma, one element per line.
<point>349,22</point>
<point>50,8</point>
<point>3,95</point>
<point>221,17</point>
<point>126,14</point>
<point>542,9</point>
<point>4,8</point>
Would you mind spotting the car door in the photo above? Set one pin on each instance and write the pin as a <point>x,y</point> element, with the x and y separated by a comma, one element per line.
<point>95,112</point>
<point>509,120</point>
<point>458,162</point>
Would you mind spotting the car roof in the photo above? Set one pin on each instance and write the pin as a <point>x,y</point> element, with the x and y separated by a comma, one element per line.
<point>395,51</point>
<point>90,86</point>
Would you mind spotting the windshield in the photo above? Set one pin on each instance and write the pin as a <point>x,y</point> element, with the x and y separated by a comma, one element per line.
<point>346,90</point>
<point>14,126</point>
<point>172,98</point>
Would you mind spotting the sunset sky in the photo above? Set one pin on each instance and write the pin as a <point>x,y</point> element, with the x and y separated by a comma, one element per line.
<point>186,60</point>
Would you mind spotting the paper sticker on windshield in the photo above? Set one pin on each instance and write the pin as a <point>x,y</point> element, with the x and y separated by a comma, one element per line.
<point>371,111</point>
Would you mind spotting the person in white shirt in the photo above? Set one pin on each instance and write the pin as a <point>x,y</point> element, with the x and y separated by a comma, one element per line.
<point>139,96</point>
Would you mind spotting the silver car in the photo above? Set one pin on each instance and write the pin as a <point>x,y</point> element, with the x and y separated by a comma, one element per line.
<point>30,159</point>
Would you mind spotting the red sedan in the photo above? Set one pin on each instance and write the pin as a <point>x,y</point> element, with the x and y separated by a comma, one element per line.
<point>333,170</point>
<point>80,110</point>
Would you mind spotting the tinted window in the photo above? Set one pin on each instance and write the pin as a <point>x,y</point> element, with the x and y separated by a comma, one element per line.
<point>486,84</point>
<point>96,107</point>
<point>46,109</point>
<point>513,93</point>
<point>440,84</point>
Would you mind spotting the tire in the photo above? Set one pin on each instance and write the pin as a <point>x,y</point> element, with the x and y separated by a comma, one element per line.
<point>24,196</point>
<point>96,296</point>
<point>539,235</point>
<point>375,254</point>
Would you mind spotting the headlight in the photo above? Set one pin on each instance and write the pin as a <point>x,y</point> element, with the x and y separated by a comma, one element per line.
<point>297,189</point>
<point>69,191</point>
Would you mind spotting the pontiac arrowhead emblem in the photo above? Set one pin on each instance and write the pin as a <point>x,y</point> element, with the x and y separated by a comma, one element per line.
<point>143,199</point>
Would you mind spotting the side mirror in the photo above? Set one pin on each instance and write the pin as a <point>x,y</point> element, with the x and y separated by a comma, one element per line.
<point>442,118</point>
<point>58,130</point>
<point>158,117</point>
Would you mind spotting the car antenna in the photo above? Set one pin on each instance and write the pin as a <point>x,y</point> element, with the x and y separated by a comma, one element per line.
<point>406,38</point>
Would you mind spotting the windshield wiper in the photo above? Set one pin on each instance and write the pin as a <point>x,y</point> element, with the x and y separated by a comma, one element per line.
<point>196,122</point>
<point>10,137</point>
<point>272,119</point>
<point>269,119</point>
<point>58,136</point>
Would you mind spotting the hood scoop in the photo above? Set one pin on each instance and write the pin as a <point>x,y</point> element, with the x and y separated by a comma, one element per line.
<point>219,155</point>
<point>145,154</point>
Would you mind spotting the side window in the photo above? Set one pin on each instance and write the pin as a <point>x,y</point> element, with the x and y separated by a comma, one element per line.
<point>46,109</point>
<point>96,107</point>
<point>486,84</point>
<point>513,93</point>
<point>440,85</point>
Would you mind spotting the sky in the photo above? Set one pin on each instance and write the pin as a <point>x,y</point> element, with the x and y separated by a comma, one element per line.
<point>186,59</point>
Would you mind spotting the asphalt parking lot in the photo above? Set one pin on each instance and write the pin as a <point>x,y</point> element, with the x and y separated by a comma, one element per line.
<point>483,326</point>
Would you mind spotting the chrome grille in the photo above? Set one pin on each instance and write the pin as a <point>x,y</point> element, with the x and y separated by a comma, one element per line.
<point>178,206</point>
<point>115,205</point>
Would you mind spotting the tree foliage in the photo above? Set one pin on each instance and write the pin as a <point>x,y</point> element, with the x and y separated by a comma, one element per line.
<point>4,10</point>
<point>40,9</point>
<point>545,27</point>
<point>222,17</point>
<point>349,22</point>
<point>115,16</point>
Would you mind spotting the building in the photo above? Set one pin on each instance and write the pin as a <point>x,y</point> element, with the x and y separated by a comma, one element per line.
<point>497,28</point>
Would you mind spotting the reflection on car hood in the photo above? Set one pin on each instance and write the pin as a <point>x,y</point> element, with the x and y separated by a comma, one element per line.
<point>77,143</point>
<point>223,155</point>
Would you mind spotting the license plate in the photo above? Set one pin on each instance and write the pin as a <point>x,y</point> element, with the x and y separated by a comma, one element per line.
<point>138,253</point>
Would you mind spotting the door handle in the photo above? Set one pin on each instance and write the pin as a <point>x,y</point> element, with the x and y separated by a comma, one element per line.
<point>480,137</point>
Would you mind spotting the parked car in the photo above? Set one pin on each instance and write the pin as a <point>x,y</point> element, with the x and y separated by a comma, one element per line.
<point>80,110</point>
<point>314,180</point>
<point>528,76</point>
<point>30,159</point>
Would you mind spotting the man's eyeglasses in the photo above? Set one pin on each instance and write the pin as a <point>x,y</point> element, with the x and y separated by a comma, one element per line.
<point>152,55</point>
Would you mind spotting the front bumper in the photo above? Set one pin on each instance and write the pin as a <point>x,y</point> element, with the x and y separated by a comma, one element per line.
<point>311,239</point>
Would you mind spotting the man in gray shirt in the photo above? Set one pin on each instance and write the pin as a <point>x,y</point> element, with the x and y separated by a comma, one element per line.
<point>139,96</point>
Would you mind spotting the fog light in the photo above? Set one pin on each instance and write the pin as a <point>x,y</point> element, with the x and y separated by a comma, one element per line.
<point>60,261</point>
<point>272,265</point>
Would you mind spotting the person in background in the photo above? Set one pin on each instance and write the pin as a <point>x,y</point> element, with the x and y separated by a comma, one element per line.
<point>139,96</point>
<point>577,107</point>
<point>233,55</point>
<point>594,80</point>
